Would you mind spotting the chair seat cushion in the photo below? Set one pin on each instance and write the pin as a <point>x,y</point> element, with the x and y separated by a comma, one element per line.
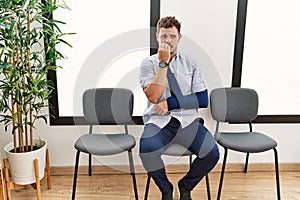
<point>177,150</point>
<point>249,142</point>
<point>104,144</point>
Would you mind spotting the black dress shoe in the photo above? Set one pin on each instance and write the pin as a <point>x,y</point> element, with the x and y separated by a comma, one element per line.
<point>169,195</point>
<point>184,194</point>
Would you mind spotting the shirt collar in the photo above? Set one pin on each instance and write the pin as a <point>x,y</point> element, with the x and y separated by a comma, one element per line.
<point>177,56</point>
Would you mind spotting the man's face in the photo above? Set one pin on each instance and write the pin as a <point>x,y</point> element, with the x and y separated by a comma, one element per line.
<point>169,36</point>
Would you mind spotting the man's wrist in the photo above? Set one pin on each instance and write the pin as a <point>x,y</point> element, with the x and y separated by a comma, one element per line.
<point>163,64</point>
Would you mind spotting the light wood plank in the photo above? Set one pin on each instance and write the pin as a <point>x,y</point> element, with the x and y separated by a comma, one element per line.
<point>1,181</point>
<point>118,186</point>
<point>230,167</point>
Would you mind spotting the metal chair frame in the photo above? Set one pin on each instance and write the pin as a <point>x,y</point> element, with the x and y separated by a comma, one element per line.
<point>246,167</point>
<point>130,157</point>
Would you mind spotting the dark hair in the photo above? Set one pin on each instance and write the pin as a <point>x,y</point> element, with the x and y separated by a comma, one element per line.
<point>168,22</point>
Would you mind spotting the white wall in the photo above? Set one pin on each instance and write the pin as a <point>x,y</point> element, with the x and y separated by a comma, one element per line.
<point>216,42</point>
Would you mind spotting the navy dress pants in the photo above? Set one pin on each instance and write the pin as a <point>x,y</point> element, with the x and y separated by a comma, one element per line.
<point>194,137</point>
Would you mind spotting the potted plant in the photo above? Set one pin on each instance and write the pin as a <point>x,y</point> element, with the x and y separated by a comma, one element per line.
<point>26,34</point>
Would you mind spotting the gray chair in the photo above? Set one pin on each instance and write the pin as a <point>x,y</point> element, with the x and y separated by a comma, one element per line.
<point>178,150</point>
<point>106,106</point>
<point>240,105</point>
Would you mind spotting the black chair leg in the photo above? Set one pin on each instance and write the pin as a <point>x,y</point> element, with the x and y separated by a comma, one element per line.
<point>277,174</point>
<point>132,172</point>
<point>75,175</point>
<point>222,174</point>
<point>191,160</point>
<point>246,163</point>
<point>90,164</point>
<point>147,187</point>
<point>207,187</point>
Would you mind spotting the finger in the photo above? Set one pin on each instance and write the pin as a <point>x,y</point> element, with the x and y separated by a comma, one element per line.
<point>156,109</point>
<point>159,111</point>
<point>165,46</point>
<point>168,47</point>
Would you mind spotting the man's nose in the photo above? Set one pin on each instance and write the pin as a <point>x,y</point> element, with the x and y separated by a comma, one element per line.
<point>168,40</point>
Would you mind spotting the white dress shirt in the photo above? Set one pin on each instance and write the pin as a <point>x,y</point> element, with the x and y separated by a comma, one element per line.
<point>190,80</point>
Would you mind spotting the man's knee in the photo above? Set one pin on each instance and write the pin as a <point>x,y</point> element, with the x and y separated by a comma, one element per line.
<point>144,148</point>
<point>149,146</point>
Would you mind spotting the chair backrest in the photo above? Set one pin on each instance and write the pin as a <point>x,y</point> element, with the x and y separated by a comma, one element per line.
<point>234,104</point>
<point>108,105</point>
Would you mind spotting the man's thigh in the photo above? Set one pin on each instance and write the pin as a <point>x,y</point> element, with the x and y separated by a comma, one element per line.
<point>196,138</point>
<point>154,138</point>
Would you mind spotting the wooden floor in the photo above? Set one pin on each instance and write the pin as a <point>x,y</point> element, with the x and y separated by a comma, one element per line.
<point>237,186</point>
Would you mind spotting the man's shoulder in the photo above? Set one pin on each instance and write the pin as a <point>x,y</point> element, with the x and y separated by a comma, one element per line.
<point>150,59</point>
<point>187,58</point>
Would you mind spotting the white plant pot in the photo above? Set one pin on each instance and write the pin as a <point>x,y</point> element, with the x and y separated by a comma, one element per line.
<point>21,165</point>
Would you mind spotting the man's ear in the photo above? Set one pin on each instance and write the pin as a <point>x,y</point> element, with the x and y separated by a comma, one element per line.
<point>157,37</point>
<point>179,37</point>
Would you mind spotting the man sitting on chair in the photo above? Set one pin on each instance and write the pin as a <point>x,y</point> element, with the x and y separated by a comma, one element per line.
<point>172,115</point>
